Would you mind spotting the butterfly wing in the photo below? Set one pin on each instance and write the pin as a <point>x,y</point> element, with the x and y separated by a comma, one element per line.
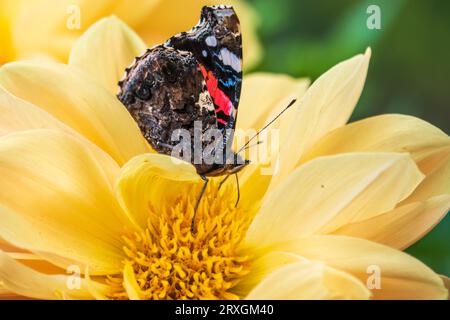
<point>216,43</point>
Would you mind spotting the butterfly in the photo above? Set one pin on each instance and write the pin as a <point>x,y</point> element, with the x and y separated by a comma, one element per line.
<point>194,77</point>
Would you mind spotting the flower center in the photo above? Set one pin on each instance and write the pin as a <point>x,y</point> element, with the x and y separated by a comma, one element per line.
<point>170,262</point>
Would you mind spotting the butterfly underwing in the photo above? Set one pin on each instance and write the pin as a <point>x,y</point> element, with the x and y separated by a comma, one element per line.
<point>195,76</point>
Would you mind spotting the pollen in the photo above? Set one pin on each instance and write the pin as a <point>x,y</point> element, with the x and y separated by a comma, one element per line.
<point>171,262</point>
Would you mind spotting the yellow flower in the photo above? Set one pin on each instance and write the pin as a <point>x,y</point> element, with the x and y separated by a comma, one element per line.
<point>48,28</point>
<point>82,192</point>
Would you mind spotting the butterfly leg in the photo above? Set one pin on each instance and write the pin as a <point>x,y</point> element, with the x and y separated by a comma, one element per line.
<point>238,190</point>
<point>198,202</point>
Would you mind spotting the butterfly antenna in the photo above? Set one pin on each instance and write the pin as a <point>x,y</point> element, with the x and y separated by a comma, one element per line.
<point>267,125</point>
<point>253,145</point>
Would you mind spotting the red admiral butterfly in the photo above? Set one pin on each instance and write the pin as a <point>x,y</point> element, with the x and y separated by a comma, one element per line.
<point>194,76</point>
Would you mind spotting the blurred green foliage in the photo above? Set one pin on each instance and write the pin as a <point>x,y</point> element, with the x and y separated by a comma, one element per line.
<point>409,71</point>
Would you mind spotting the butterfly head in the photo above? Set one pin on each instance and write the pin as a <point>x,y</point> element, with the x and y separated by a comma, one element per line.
<point>236,167</point>
<point>228,168</point>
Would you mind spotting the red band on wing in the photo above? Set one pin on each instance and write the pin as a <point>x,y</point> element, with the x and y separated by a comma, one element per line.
<point>221,100</point>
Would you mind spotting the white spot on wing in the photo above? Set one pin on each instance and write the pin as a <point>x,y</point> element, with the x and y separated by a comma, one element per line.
<point>211,41</point>
<point>205,101</point>
<point>230,59</point>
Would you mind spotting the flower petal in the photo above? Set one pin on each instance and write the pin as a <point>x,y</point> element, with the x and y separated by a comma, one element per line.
<point>436,183</point>
<point>403,226</point>
<point>35,37</point>
<point>330,192</point>
<point>326,105</point>
<point>18,115</point>
<point>446,281</point>
<point>263,266</point>
<point>296,281</point>
<point>263,97</point>
<point>401,276</point>
<point>36,262</point>
<point>8,295</point>
<point>27,282</point>
<point>65,21</point>
<point>56,198</point>
<point>105,50</point>
<point>7,9</point>
<point>134,15</point>
<point>386,133</point>
<point>152,180</point>
<point>306,279</point>
<point>8,247</point>
<point>129,281</point>
<point>73,98</point>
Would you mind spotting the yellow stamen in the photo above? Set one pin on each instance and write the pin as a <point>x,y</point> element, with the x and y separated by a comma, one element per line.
<point>170,262</point>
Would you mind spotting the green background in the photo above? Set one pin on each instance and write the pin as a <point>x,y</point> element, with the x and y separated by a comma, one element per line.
<point>409,71</point>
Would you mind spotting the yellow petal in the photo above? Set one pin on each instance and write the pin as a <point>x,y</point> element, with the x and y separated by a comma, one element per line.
<point>27,282</point>
<point>7,13</point>
<point>263,97</point>
<point>330,192</point>
<point>401,276</point>
<point>129,281</point>
<point>296,281</point>
<point>38,263</point>
<point>73,98</point>
<point>386,133</point>
<point>134,15</point>
<point>65,21</point>
<point>263,266</point>
<point>34,36</point>
<point>8,295</point>
<point>308,280</point>
<point>6,246</point>
<point>97,292</point>
<point>152,180</point>
<point>165,21</point>
<point>253,186</point>
<point>403,226</point>
<point>326,105</point>
<point>56,198</point>
<point>18,115</point>
<point>435,184</point>
<point>105,50</point>
<point>344,286</point>
<point>446,281</point>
